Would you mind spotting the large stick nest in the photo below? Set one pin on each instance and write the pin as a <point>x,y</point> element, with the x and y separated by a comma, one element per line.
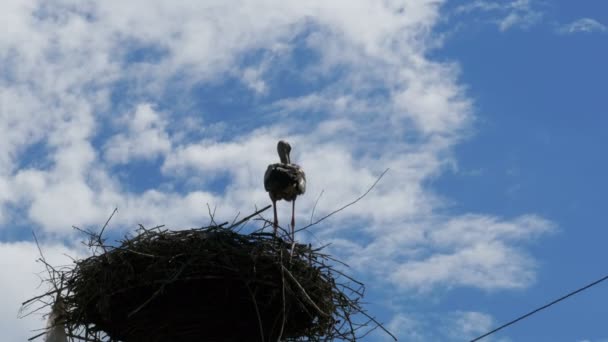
<point>205,284</point>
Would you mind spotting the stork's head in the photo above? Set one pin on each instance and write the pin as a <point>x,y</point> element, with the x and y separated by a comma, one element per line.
<point>283,148</point>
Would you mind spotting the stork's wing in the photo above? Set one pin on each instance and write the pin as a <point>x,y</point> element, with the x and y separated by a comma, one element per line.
<point>267,177</point>
<point>285,178</point>
<point>301,179</point>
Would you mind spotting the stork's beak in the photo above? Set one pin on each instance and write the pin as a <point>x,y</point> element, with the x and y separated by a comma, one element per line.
<point>288,157</point>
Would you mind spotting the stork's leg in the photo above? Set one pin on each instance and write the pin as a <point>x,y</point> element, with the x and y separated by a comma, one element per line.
<point>276,219</point>
<point>293,220</point>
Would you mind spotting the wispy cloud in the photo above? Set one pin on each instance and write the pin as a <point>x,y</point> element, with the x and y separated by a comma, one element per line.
<point>470,250</point>
<point>583,25</point>
<point>451,326</point>
<point>144,138</point>
<point>505,15</point>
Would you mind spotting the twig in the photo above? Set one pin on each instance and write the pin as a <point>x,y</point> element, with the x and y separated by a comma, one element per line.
<point>35,310</point>
<point>35,337</point>
<point>106,224</point>
<point>378,325</point>
<point>159,291</point>
<point>82,338</point>
<point>246,218</point>
<point>304,291</point>
<point>38,246</point>
<point>41,296</point>
<point>211,214</point>
<point>312,214</point>
<point>236,217</point>
<point>347,205</point>
<point>282,295</point>
<point>257,311</point>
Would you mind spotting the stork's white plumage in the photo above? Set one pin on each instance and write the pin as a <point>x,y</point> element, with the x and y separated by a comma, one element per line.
<point>55,327</point>
<point>284,181</point>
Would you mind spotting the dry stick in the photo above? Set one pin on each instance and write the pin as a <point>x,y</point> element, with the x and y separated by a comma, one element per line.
<point>43,260</point>
<point>35,310</point>
<point>38,246</point>
<point>82,338</point>
<point>378,324</point>
<point>57,291</point>
<point>293,247</point>
<point>250,216</point>
<point>138,253</point>
<point>312,214</point>
<point>50,269</point>
<point>211,214</point>
<point>283,295</point>
<point>257,311</point>
<point>105,225</point>
<point>236,217</point>
<point>304,292</point>
<point>41,296</point>
<point>331,214</point>
<point>348,205</point>
<point>84,231</point>
<point>350,324</point>
<point>35,337</point>
<point>158,292</point>
<point>268,223</point>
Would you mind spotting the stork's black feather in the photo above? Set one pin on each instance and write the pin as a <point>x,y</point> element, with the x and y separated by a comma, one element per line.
<point>284,181</point>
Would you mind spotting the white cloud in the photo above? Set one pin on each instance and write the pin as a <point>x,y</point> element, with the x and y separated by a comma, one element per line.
<point>253,79</point>
<point>521,15</point>
<point>516,19</point>
<point>478,5</point>
<point>145,138</point>
<point>583,25</point>
<point>407,328</point>
<point>469,324</point>
<point>436,107</point>
<point>451,326</point>
<point>489,266</point>
<point>20,282</point>
<point>506,14</point>
<point>469,229</point>
<point>469,251</point>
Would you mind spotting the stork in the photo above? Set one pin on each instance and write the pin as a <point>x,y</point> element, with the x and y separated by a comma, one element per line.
<point>284,181</point>
<point>55,325</point>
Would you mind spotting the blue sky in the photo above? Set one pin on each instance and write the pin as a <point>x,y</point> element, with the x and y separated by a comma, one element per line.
<point>491,116</point>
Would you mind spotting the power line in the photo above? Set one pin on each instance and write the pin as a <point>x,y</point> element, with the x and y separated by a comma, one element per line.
<point>541,308</point>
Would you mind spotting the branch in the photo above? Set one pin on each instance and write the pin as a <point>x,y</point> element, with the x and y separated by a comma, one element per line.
<point>246,218</point>
<point>347,205</point>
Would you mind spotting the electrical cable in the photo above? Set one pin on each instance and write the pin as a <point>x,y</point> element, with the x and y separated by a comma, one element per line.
<point>540,308</point>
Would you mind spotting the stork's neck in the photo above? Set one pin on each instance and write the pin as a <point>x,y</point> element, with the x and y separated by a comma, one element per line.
<point>284,156</point>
